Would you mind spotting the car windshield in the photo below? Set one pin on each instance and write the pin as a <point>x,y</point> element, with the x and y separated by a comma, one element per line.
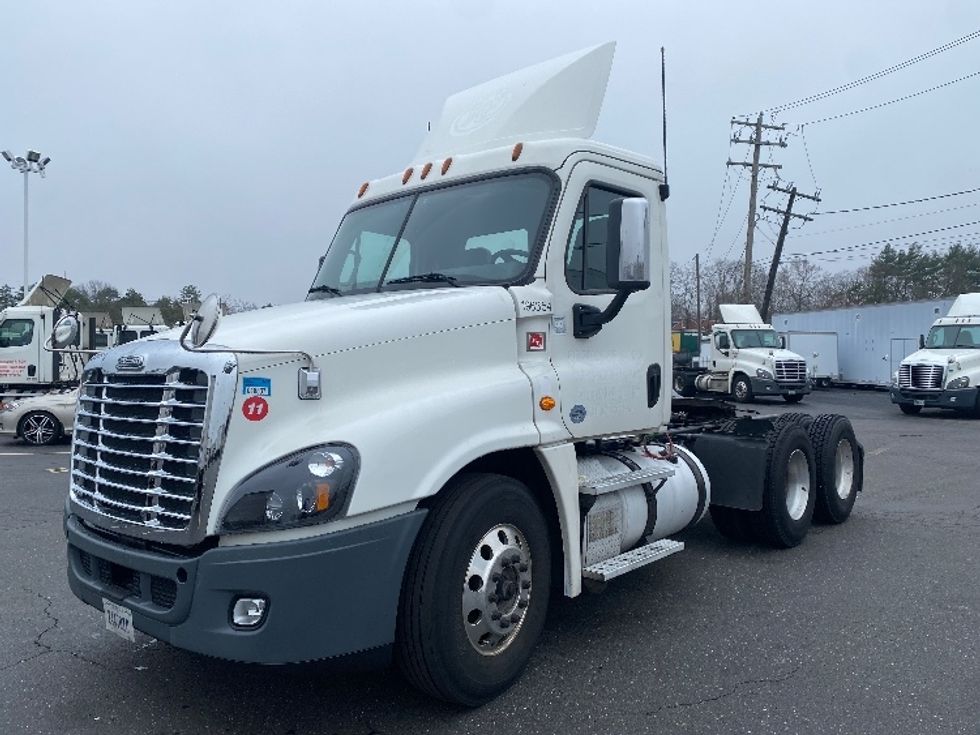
<point>16,332</point>
<point>480,233</point>
<point>959,336</point>
<point>744,338</point>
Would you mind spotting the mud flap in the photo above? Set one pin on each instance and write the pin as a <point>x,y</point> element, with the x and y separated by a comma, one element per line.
<point>736,463</point>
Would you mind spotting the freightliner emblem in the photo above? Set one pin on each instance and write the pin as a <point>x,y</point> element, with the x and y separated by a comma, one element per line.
<point>130,362</point>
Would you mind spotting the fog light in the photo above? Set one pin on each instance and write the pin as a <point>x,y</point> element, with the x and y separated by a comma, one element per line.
<point>248,612</point>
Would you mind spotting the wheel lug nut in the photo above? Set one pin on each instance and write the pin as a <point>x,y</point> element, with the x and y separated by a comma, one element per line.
<point>495,578</point>
<point>515,618</point>
<point>492,598</point>
<point>526,584</point>
<point>505,623</point>
<point>522,604</point>
<point>523,567</point>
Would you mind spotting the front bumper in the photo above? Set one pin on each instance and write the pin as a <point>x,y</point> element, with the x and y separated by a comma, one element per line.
<point>328,596</point>
<point>962,399</point>
<point>770,387</point>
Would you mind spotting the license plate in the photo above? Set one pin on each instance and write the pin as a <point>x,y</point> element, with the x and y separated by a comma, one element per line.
<point>919,402</point>
<point>118,619</point>
<point>791,392</point>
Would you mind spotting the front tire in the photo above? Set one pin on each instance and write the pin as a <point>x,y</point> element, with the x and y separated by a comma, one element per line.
<point>476,590</point>
<point>742,389</point>
<point>40,428</point>
<point>909,409</point>
<point>793,399</point>
<point>840,475</point>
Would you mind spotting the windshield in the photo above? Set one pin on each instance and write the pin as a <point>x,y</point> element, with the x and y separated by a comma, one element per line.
<point>484,232</point>
<point>966,336</point>
<point>744,338</point>
<point>16,332</point>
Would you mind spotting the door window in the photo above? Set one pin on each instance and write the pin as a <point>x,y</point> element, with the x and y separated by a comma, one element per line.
<point>585,260</point>
<point>16,332</point>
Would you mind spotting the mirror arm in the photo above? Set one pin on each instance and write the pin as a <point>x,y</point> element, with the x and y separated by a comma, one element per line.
<point>588,320</point>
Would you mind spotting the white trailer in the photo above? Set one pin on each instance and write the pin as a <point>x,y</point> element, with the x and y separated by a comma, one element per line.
<point>473,396</point>
<point>872,340</point>
<point>819,349</point>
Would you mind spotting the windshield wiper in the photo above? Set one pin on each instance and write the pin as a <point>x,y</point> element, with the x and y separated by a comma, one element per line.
<point>428,278</point>
<point>327,289</point>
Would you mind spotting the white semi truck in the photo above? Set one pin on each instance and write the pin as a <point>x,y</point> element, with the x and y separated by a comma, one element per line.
<point>470,410</point>
<point>745,359</point>
<point>945,371</point>
<point>27,368</point>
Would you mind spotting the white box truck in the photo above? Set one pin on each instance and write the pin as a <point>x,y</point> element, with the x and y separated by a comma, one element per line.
<point>745,358</point>
<point>945,371</point>
<point>471,407</point>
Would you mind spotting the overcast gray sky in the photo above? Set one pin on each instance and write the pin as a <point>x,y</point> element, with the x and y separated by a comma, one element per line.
<point>219,143</point>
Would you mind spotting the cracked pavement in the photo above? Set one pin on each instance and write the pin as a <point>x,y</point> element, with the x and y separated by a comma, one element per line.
<point>869,627</point>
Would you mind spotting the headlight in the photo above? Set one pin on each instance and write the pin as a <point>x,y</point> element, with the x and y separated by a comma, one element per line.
<point>306,487</point>
<point>895,378</point>
<point>7,407</point>
<point>961,382</point>
<point>764,374</point>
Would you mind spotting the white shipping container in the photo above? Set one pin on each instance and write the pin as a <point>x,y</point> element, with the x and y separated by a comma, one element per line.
<point>871,340</point>
<point>819,349</point>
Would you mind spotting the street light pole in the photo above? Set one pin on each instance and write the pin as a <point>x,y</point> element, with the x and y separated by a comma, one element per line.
<point>32,163</point>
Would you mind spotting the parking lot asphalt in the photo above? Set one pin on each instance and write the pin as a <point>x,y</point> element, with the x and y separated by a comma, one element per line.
<point>868,627</point>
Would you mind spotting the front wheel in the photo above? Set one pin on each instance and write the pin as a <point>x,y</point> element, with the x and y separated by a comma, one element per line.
<point>476,590</point>
<point>742,389</point>
<point>909,409</point>
<point>40,428</point>
<point>794,398</point>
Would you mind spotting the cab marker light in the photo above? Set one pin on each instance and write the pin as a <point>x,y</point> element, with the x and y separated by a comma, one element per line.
<point>425,170</point>
<point>363,190</point>
<point>516,153</point>
<point>446,164</point>
<point>547,403</point>
<point>407,175</point>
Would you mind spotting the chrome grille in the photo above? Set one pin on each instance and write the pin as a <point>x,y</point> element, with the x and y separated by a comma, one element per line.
<point>137,446</point>
<point>920,377</point>
<point>791,371</point>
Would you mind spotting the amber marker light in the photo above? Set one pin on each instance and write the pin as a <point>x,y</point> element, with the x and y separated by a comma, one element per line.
<point>363,190</point>
<point>516,153</point>
<point>547,403</point>
<point>446,164</point>
<point>322,496</point>
<point>407,175</point>
<point>425,170</point>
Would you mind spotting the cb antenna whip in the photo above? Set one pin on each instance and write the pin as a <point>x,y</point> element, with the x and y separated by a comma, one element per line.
<point>664,187</point>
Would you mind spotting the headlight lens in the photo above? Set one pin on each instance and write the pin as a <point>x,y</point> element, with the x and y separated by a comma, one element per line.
<point>8,407</point>
<point>306,487</point>
<point>763,373</point>
<point>961,382</point>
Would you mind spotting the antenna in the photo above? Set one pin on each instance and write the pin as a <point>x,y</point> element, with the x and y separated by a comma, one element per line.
<point>664,187</point>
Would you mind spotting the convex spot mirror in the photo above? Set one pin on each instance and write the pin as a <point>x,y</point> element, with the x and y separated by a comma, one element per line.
<point>65,332</point>
<point>206,320</point>
<point>628,245</point>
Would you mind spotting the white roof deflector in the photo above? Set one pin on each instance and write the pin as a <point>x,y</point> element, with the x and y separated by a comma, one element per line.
<point>740,314</point>
<point>966,304</point>
<point>560,98</point>
<point>49,291</point>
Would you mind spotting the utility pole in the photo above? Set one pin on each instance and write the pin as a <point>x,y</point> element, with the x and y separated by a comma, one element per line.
<point>697,292</point>
<point>787,215</point>
<point>756,142</point>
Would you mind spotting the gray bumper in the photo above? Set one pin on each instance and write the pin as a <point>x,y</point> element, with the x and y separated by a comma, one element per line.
<point>963,399</point>
<point>769,387</point>
<point>327,596</point>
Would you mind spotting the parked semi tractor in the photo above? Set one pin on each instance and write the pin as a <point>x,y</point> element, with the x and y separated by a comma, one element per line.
<point>470,411</point>
<point>744,358</point>
<point>27,368</point>
<point>945,371</point>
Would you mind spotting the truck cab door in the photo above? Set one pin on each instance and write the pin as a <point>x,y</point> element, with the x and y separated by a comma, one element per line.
<point>722,352</point>
<point>617,380</point>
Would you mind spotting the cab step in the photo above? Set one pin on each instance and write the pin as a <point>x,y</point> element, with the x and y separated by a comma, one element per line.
<point>634,559</point>
<point>611,483</point>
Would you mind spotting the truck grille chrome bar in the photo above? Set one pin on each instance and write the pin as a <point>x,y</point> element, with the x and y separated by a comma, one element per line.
<point>138,444</point>
<point>791,371</point>
<point>920,377</point>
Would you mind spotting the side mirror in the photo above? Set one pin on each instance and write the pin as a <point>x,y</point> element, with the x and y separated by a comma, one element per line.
<point>922,341</point>
<point>205,321</point>
<point>627,245</point>
<point>782,343</point>
<point>65,332</point>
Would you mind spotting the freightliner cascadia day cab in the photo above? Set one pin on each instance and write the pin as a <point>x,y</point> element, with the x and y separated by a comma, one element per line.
<point>469,412</point>
<point>945,371</point>
<point>746,359</point>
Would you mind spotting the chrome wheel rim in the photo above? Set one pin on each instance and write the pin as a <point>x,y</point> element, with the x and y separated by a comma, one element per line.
<point>844,469</point>
<point>39,429</point>
<point>741,390</point>
<point>797,484</point>
<point>496,590</point>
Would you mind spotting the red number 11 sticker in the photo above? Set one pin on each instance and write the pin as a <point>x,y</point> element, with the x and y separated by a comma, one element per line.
<point>255,408</point>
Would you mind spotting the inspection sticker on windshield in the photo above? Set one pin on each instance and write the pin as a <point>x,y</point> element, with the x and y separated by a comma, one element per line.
<point>257,386</point>
<point>118,619</point>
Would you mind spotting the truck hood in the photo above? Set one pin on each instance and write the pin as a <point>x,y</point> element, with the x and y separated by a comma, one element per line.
<point>761,354</point>
<point>346,323</point>
<point>966,358</point>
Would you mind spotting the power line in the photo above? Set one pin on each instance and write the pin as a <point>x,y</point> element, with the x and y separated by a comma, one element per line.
<point>890,102</point>
<point>886,240</point>
<point>898,204</point>
<point>887,221</point>
<point>877,75</point>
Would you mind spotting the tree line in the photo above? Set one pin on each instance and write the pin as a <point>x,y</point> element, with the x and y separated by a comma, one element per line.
<point>99,296</point>
<point>912,274</point>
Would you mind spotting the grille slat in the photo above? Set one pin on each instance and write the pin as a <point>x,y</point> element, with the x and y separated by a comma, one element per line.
<point>920,377</point>
<point>137,446</point>
<point>791,371</point>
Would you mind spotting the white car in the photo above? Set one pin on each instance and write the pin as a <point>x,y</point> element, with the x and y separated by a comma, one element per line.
<point>42,419</point>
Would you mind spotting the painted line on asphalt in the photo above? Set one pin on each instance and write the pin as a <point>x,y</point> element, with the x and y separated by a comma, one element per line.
<point>16,454</point>
<point>876,452</point>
